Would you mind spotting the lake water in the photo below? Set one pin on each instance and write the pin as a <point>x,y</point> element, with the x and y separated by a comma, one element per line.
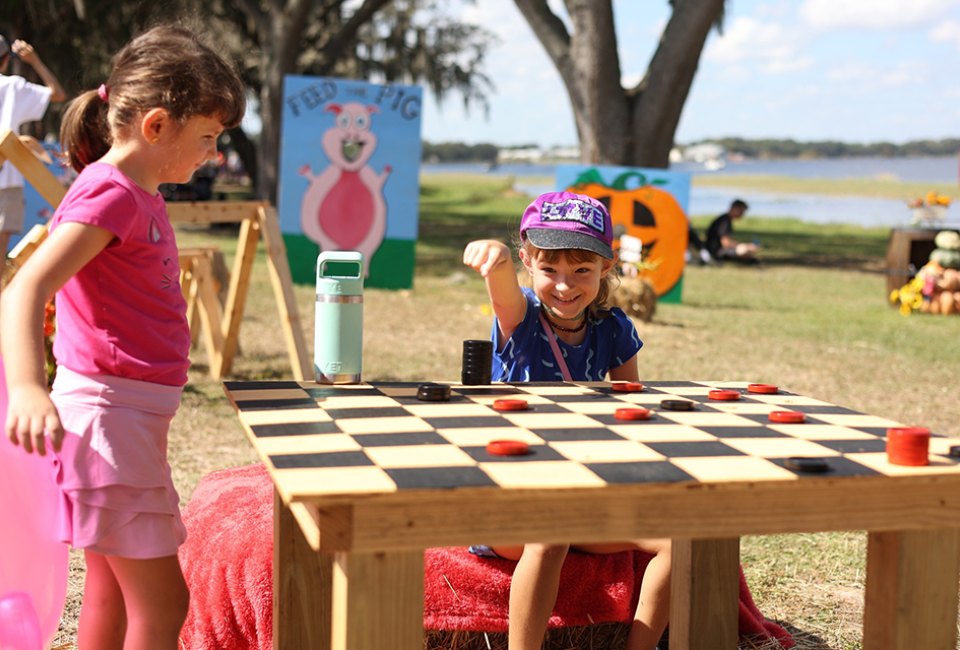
<point>812,208</point>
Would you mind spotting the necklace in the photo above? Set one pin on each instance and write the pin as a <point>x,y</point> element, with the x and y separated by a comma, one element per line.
<point>569,330</point>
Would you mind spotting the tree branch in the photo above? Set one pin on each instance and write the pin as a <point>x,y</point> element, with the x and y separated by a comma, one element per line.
<point>549,29</point>
<point>347,35</point>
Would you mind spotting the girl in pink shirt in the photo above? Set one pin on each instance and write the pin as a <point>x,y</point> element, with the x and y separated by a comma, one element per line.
<point>122,337</point>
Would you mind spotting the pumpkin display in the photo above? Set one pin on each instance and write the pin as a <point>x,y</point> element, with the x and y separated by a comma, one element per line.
<point>650,214</point>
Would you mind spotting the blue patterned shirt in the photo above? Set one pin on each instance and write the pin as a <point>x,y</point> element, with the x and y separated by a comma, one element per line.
<point>526,355</point>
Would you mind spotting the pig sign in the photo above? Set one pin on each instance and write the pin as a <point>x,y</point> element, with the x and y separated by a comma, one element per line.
<point>349,175</point>
<point>343,207</point>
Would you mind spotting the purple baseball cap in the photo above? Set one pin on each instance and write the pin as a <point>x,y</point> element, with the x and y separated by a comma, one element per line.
<point>558,220</point>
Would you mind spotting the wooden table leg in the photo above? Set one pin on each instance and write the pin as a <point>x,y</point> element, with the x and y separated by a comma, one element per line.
<point>302,592</point>
<point>705,594</point>
<point>378,601</point>
<point>911,593</point>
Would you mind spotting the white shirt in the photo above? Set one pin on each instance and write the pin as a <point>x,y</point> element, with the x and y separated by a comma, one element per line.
<point>20,102</point>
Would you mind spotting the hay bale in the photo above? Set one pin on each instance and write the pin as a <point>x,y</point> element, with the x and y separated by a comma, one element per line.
<point>636,297</point>
<point>609,636</point>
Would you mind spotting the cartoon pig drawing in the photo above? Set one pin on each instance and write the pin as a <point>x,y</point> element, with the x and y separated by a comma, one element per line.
<point>343,207</point>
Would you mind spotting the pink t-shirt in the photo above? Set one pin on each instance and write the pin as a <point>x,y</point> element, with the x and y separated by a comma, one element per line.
<point>123,314</point>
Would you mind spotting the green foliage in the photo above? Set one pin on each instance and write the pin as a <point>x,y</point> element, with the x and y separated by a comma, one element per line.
<point>788,148</point>
<point>454,152</point>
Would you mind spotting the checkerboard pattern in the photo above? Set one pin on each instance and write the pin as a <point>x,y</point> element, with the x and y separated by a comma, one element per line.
<point>320,440</point>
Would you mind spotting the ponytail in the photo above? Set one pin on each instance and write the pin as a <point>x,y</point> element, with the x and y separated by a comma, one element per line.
<point>84,131</point>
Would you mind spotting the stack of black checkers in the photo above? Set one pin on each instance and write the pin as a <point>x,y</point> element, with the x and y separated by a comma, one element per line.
<point>477,362</point>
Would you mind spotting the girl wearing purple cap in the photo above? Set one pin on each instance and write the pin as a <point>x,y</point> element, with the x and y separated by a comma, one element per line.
<point>561,330</point>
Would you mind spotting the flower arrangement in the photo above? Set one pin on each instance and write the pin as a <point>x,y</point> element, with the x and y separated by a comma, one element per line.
<point>931,208</point>
<point>49,329</point>
<point>909,297</point>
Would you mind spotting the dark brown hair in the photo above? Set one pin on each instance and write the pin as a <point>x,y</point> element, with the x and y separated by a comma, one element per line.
<point>577,256</point>
<point>167,67</point>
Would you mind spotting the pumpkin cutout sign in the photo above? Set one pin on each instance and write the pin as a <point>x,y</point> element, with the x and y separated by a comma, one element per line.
<point>639,206</point>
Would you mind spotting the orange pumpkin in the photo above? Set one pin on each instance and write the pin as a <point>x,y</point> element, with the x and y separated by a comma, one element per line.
<point>648,213</point>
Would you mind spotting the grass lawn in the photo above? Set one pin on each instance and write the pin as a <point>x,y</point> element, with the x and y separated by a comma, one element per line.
<point>812,319</point>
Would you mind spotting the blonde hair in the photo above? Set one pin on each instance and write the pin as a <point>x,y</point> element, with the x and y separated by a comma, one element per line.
<point>166,67</point>
<point>577,256</point>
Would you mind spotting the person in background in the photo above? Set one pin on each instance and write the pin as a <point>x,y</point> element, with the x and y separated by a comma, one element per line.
<point>20,102</point>
<point>697,244</point>
<point>720,240</point>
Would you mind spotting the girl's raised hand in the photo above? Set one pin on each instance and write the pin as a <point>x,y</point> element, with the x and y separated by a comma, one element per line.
<point>486,255</point>
<point>30,416</point>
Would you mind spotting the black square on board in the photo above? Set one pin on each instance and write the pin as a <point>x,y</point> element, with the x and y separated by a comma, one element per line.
<point>838,466</point>
<point>294,429</point>
<point>368,412</point>
<point>577,433</point>
<point>276,404</point>
<point>439,477</point>
<point>639,472</point>
<point>399,439</point>
<point>467,422</point>
<point>855,446</point>
<point>743,432</point>
<point>329,459</point>
<point>706,448</point>
<point>537,453</point>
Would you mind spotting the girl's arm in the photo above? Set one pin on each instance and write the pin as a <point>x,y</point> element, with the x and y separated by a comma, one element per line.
<point>492,260</point>
<point>30,411</point>
<point>626,372</point>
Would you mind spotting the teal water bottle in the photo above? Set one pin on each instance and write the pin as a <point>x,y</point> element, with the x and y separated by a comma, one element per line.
<point>338,329</point>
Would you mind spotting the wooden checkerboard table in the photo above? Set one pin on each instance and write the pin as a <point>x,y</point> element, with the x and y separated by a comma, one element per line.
<point>368,475</point>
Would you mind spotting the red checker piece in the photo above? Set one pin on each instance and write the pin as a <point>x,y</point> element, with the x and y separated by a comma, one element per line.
<point>637,413</point>
<point>509,405</point>
<point>627,386</point>
<point>507,448</point>
<point>908,446</point>
<point>724,394</point>
<point>765,389</point>
<point>787,417</point>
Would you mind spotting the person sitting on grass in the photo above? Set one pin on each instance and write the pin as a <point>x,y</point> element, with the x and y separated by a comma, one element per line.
<point>720,241</point>
<point>561,330</point>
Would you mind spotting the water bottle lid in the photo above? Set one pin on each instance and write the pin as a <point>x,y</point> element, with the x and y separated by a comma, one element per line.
<point>340,272</point>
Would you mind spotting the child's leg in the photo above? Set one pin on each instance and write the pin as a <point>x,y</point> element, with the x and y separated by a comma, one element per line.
<point>533,591</point>
<point>653,610</point>
<point>156,599</point>
<point>103,621</point>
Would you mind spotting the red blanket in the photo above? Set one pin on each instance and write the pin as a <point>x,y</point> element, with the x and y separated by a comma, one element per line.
<point>227,561</point>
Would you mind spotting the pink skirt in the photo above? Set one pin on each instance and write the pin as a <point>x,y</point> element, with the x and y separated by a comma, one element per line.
<point>118,496</point>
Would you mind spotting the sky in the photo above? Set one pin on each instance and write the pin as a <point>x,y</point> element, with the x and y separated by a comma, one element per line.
<point>849,70</point>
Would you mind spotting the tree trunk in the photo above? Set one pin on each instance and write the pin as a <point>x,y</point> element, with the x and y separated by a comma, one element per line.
<point>282,32</point>
<point>660,96</point>
<point>618,126</point>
